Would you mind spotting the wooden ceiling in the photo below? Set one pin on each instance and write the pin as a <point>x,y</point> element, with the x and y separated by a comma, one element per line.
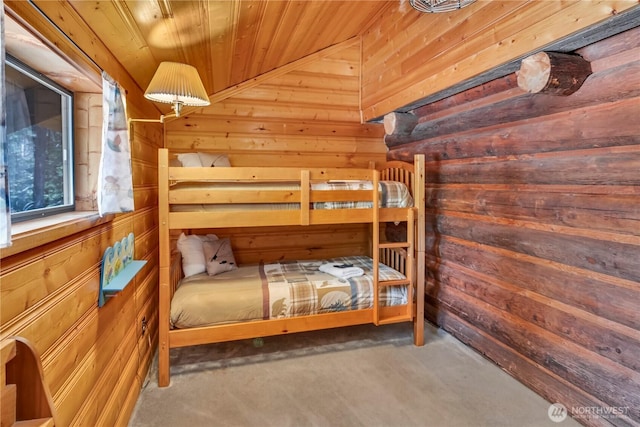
<point>229,42</point>
<point>232,42</point>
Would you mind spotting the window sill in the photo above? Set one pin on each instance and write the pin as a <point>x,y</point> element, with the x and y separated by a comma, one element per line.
<point>30,234</point>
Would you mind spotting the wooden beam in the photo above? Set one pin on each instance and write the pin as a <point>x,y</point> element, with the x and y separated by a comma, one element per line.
<point>553,73</point>
<point>611,124</point>
<point>515,105</point>
<point>399,123</point>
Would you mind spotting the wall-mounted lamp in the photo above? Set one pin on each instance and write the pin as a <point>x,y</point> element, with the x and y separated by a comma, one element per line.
<point>177,84</point>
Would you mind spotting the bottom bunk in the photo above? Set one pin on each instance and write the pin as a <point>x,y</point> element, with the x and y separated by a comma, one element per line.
<point>281,290</point>
<point>267,299</point>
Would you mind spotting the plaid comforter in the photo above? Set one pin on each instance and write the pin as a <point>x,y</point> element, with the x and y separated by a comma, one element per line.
<point>270,291</point>
<point>392,194</point>
<point>299,288</point>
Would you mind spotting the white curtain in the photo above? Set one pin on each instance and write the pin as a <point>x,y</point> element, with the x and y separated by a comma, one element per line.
<point>5,214</point>
<point>115,182</point>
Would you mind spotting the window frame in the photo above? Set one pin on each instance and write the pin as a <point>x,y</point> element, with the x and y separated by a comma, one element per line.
<point>68,136</point>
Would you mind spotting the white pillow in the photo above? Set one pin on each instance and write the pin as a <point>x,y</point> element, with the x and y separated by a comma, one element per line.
<point>190,160</point>
<point>199,160</point>
<point>190,246</point>
<point>218,160</point>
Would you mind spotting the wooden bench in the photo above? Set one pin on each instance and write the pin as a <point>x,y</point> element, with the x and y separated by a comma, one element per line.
<point>26,400</point>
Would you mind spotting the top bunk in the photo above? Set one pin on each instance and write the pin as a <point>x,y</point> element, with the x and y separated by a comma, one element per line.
<point>195,196</point>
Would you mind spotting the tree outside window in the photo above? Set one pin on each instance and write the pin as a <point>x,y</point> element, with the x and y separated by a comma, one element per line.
<point>38,144</point>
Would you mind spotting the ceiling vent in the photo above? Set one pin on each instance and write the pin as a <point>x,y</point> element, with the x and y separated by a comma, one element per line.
<point>439,6</point>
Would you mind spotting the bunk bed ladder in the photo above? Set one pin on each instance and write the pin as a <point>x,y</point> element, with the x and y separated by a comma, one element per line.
<point>401,257</point>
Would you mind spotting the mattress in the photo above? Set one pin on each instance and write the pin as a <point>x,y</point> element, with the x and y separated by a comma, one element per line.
<point>279,290</point>
<point>392,195</point>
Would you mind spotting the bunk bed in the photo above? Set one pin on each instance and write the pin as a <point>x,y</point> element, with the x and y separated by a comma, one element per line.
<point>204,198</point>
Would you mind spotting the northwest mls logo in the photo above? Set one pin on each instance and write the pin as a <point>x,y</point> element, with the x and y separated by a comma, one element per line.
<point>557,412</point>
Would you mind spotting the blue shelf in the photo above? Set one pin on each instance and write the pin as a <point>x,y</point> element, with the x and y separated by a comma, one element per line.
<point>118,269</point>
<point>123,278</point>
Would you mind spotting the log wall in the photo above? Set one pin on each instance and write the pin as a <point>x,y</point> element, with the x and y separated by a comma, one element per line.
<point>95,359</point>
<point>305,114</point>
<point>408,55</point>
<point>534,229</point>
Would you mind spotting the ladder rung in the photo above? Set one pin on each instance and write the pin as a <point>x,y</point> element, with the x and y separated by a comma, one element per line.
<point>394,245</point>
<point>394,282</point>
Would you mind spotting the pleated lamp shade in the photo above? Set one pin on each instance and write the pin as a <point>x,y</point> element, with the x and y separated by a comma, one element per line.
<point>177,84</point>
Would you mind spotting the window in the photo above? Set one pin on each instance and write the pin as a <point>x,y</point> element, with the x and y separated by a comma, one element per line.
<point>39,143</point>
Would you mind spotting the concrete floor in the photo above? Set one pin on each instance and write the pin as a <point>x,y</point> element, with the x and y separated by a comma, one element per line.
<point>357,376</point>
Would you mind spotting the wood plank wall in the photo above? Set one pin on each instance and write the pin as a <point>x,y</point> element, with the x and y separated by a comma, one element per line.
<point>410,55</point>
<point>306,116</point>
<point>94,359</point>
<point>534,230</point>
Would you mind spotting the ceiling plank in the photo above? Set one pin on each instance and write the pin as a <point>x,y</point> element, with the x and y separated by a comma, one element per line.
<point>264,36</point>
<point>192,21</point>
<point>222,28</point>
<point>282,36</point>
<point>114,22</point>
<point>251,16</point>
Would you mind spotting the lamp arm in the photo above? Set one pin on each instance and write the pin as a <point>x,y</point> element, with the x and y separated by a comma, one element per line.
<point>160,120</point>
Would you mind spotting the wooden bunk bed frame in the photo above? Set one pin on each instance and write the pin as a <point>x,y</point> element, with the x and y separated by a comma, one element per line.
<point>406,257</point>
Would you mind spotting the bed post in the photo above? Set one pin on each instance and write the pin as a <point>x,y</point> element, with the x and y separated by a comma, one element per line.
<point>164,292</point>
<point>305,188</point>
<point>419,196</point>
<point>376,247</point>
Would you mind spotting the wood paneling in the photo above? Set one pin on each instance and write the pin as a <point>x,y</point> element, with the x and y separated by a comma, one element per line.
<point>256,244</point>
<point>408,56</point>
<point>532,230</point>
<point>94,360</point>
<point>76,339</point>
<point>289,119</point>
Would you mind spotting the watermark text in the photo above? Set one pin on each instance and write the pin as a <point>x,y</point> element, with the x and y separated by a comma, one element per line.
<point>558,412</point>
